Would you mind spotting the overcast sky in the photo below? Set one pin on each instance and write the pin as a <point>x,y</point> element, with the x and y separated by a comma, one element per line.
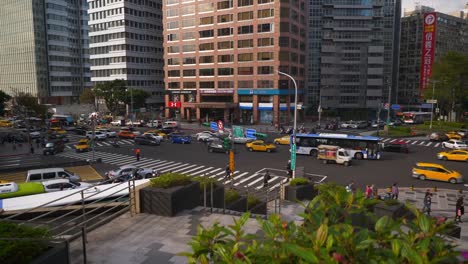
<point>443,6</point>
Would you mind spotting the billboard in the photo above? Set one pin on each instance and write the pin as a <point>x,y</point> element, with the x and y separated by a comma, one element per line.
<point>428,48</point>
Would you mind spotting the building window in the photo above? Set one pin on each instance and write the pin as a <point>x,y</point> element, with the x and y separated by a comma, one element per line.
<point>173,49</point>
<point>172,24</point>
<point>207,85</point>
<point>284,56</point>
<point>226,58</point>
<point>264,1</point>
<point>206,33</point>
<point>172,37</point>
<point>244,2</point>
<point>206,46</point>
<point>262,42</point>
<point>294,57</point>
<point>245,57</point>
<point>284,27</point>
<point>245,84</point>
<point>265,13</point>
<point>284,12</point>
<point>206,59</point>
<point>284,42</point>
<point>225,71</point>
<point>173,73</point>
<point>206,20</point>
<point>225,32</point>
<point>205,7</point>
<point>173,85</point>
<point>245,71</point>
<point>225,18</point>
<point>245,15</point>
<point>188,10</point>
<point>265,28</point>
<point>188,35</point>
<point>225,84</point>
<point>225,45</point>
<point>191,72</point>
<point>173,61</point>
<point>172,12</point>
<point>265,70</point>
<point>265,84</point>
<point>225,4</point>
<point>188,22</point>
<point>189,60</point>
<point>189,85</point>
<point>206,72</point>
<point>265,56</point>
<point>245,30</point>
<point>245,43</point>
<point>188,48</point>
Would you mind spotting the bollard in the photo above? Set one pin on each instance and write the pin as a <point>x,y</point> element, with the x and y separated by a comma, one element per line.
<point>412,187</point>
<point>434,189</point>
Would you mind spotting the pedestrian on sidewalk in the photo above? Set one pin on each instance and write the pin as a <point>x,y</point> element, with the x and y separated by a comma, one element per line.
<point>427,202</point>
<point>288,168</point>
<point>459,209</point>
<point>266,178</point>
<point>395,191</point>
<point>368,192</point>
<point>137,154</point>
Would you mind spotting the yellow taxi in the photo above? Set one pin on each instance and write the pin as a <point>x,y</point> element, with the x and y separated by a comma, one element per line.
<point>5,123</point>
<point>57,130</point>
<point>260,145</point>
<point>458,155</point>
<point>453,135</point>
<point>82,146</point>
<point>157,132</point>
<point>433,171</point>
<point>282,140</point>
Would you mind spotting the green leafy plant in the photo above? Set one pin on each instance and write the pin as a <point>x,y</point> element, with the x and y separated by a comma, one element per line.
<point>252,201</point>
<point>391,202</point>
<point>231,195</point>
<point>30,244</point>
<point>205,181</point>
<point>168,180</point>
<point>299,181</point>
<point>326,235</point>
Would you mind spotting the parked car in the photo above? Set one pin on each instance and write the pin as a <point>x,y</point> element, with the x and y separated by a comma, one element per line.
<point>217,146</point>
<point>40,175</point>
<point>454,144</point>
<point>63,185</point>
<point>376,124</point>
<point>396,146</point>
<point>181,139</point>
<point>395,123</point>
<point>285,140</point>
<point>457,155</point>
<point>147,139</point>
<point>109,133</point>
<point>260,145</point>
<point>126,134</point>
<point>98,135</point>
<point>432,171</point>
<point>436,136</point>
<point>127,172</point>
<point>347,124</point>
<point>52,148</point>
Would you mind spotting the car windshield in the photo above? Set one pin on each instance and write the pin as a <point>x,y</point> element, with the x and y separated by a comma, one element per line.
<point>49,145</point>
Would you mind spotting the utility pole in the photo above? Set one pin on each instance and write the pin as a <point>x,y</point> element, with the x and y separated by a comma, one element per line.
<point>432,103</point>
<point>388,100</point>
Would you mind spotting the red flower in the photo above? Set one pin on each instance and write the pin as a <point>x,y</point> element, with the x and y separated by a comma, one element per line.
<point>239,255</point>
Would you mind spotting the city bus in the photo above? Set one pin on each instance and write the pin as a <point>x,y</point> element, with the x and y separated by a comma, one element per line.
<point>414,117</point>
<point>358,147</point>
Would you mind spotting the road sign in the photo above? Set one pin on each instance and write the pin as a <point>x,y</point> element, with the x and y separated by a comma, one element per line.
<point>250,133</point>
<point>220,125</point>
<point>293,157</point>
<point>396,107</point>
<point>431,101</point>
<point>214,126</point>
<point>238,131</point>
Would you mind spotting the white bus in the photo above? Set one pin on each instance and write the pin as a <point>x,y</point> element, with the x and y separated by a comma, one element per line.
<point>414,117</point>
<point>358,147</point>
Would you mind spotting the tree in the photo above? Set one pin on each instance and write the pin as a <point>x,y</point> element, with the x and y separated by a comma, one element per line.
<point>450,76</point>
<point>87,96</point>
<point>26,104</point>
<point>113,93</point>
<point>329,234</point>
<point>139,98</point>
<point>4,97</point>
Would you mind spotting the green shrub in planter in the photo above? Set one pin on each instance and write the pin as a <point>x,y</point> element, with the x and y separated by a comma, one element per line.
<point>231,195</point>
<point>21,251</point>
<point>168,180</point>
<point>252,201</point>
<point>391,202</point>
<point>299,181</point>
<point>205,181</point>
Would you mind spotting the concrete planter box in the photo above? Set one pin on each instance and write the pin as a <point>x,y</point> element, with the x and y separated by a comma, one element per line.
<point>57,253</point>
<point>260,208</point>
<point>218,196</point>
<point>300,192</point>
<point>240,205</point>
<point>170,201</point>
<point>393,211</point>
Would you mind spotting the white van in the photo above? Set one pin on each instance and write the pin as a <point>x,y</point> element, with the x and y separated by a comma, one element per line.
<point>173,124</point>
<point>154,123</point>
<point>41,175</point>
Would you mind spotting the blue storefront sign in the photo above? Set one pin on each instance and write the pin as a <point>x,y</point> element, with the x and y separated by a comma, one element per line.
<point>250,133</point>
<point>214,126</point>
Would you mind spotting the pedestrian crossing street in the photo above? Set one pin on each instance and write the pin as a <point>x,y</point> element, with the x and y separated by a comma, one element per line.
<point>241,180</point>
<point>106,143</point>
<point>423,143</point>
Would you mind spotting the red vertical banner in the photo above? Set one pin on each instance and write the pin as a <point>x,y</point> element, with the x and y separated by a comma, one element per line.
<point>428,48</point>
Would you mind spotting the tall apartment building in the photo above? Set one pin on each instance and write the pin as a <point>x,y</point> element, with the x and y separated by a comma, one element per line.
<point>223,57</point>
<point>44,49</point>
<point>351,53</point>
<point>451,35</point>
<point>126,43</point>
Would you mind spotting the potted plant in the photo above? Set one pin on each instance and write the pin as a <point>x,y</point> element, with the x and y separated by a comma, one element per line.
<point>256,206</point>
<point>299,189</point>
<point>234,201</point>
<point>169,194</point>
<point>218,191</point>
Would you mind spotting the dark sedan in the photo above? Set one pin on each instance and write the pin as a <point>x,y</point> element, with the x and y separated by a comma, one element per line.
<point>147,140</point>
<point>52,148</point>
<point>396,146</point>
<point>217,146</point>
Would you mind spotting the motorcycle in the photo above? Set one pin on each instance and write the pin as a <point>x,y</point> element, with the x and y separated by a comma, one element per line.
<point>115,144</point>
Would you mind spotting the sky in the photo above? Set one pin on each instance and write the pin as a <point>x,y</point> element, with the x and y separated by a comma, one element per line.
<point>443,6</point>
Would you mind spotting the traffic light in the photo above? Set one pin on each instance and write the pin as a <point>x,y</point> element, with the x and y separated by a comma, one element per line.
<point>226,143</point>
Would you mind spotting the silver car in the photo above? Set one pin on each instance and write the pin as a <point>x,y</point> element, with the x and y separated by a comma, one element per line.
<point>129,172</point>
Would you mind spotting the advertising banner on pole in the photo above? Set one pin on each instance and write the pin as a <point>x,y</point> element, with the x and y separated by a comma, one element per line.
<point>428,48</point>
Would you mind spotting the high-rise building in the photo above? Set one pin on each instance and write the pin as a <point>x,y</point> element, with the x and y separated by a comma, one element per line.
<point>351,53</point>
<point>451,35</point>
<point>126,43</point>
<point>44,49</point>
<point>223,57</point>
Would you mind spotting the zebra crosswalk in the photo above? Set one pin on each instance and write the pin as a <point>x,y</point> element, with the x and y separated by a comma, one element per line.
<point>106,143</point>
<point>422,143</point>
<point>241,180</point>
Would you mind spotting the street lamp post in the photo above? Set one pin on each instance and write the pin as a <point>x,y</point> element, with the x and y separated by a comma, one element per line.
<point>432,103</point>
<point>293,145</point>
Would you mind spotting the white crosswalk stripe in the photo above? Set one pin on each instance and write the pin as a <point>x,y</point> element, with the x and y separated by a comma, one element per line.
<point>437,144</point>
<point>414,142</point>
<point>422,143</point>
<point>428,144</point>
<point>386,139</point>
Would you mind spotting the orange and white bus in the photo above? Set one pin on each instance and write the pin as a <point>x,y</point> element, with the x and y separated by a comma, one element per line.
<point>414,117</point>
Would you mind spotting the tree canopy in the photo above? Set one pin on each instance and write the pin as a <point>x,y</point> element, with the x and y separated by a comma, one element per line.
<point>4,97</point>
<point>26,104</point>
<point>450,76</point>
<point>87,96</point>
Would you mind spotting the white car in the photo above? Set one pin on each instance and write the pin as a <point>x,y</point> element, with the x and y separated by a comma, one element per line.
<point>206,137</point>
<point>154,123</point>
<point>64,184</point>
<point>347,124</point>
<point>109,133</point>
<point>242,140</point>
<point>454,144</point>
<point>97,135</point>
<point>155,136</point>
<point>116,123</point>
